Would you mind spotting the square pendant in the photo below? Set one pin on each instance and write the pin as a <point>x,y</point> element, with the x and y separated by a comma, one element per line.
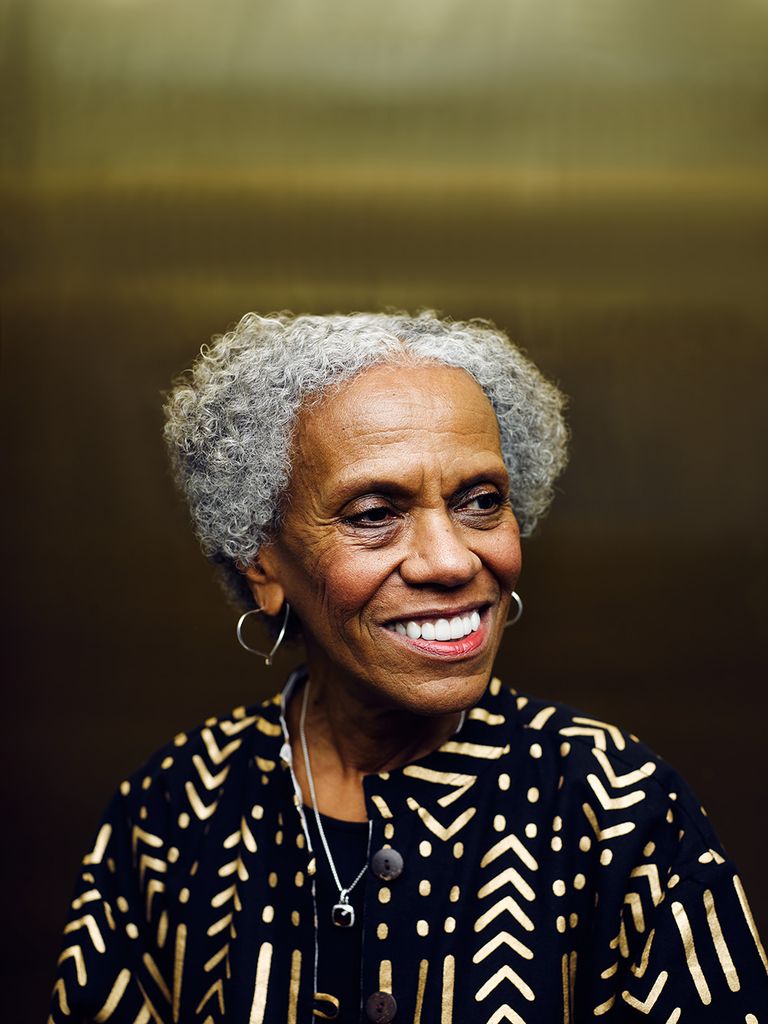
<point>343,915</point>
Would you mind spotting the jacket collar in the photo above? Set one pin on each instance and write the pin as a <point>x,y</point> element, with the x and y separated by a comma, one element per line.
<point>435,781</point>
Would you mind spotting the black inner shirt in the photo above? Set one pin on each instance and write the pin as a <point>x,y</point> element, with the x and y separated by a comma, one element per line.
<point>340,949</point>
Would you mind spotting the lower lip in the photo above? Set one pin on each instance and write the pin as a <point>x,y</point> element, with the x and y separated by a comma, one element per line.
<point>446,648</point>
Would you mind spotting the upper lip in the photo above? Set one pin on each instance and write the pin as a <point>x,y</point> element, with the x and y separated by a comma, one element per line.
<point>441,613</point>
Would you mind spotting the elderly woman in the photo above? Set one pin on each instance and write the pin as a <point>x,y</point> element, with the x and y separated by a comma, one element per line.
<point>395,836</point>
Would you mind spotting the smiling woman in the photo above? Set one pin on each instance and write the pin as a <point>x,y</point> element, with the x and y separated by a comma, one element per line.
<point>394,835</point>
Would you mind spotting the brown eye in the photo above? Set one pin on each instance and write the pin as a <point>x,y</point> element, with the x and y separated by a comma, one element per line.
<point>486,502</point>
<point>378,515</point>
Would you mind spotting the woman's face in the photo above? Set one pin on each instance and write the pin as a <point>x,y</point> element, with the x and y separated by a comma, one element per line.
<point>399,517</point>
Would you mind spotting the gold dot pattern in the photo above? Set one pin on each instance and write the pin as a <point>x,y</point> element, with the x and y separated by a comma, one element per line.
<point>560,924</point>
<point>272,879</point>
<point>295,918</point>
<point>425,847</point>
<point>385,894</point>
<point>183,820</point>
<point>499,822</point>
<point>422,928</point>
<point>585,844</point>
<point>125,787</point>
<point>454,894</point>
<point>504,781</point>
<point>299,879</point>
<point>458,850</point>
<point>579,881</point>
<point>606,857</point>
<point>382,931</point>
<point>184,895</point>
<point>533,795</point>
<point>389,830</point>
<point>425,887</point>
<point>132,931</point>
<point>166,762</point>
<point>556,844</point>
<point>450,924</point>
<point>558,887</point>
<point>268,914</point>
<point>531,830</point>
<point>535,751</point>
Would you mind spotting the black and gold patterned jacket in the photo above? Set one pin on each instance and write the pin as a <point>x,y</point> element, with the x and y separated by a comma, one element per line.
<point>571,877</point>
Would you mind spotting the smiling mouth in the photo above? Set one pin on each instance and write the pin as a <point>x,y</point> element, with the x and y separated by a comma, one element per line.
<point>438,629</point>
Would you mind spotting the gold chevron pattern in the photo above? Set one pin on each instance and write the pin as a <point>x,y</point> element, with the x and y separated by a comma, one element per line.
<point>506,859</point>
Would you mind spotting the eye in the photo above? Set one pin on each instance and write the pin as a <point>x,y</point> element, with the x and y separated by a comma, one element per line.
<point>376,515</point>
<point>487,501</point>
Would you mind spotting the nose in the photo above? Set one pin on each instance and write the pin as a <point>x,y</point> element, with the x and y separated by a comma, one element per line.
<point>438,554</point>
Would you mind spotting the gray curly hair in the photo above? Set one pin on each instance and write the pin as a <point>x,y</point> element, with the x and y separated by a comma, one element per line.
<point>230,418</point>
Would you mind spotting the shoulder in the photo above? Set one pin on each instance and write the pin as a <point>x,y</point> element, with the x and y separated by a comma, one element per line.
<point>183,781</point>
<point>615,783</point>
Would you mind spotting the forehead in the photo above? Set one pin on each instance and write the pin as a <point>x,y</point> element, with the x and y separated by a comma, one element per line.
<point>396,413</point>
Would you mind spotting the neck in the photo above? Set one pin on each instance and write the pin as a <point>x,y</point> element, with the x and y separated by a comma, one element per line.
<point>350,735</point>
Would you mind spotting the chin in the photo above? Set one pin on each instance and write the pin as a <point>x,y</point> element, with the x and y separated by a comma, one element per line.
<point>445,694</point>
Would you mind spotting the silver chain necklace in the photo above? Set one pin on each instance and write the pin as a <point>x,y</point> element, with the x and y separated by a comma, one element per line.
<point>343,913</point>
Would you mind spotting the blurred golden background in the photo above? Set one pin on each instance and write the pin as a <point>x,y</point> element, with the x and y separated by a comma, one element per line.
<point>590,175</point>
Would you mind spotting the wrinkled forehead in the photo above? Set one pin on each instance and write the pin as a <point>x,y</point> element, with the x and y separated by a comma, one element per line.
<point>392,413</point>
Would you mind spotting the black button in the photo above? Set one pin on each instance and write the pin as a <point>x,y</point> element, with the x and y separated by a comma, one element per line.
<point>380,1007</point>
<point>387,864</point>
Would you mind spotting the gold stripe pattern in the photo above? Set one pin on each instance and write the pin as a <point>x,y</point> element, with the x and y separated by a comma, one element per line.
<point>261,985</point>
<point>423,970</point>
<point>449,967</point>
<point>694,967</point>
<point>115,996</point>
<point>718,940</point>
<point>293,986</point>
<point>745,909</point>
<point>385,976</point>
<point>178,968</point>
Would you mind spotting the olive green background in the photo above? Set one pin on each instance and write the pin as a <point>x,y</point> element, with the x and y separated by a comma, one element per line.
<point>590,175</point>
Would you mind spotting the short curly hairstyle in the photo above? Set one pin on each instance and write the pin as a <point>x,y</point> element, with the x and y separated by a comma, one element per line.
<point>230,418</point>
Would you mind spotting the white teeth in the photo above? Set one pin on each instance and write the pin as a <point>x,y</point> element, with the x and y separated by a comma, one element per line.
<point>440,629</point>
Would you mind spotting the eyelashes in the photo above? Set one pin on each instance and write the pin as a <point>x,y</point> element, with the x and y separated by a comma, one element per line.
<point>379,516</point>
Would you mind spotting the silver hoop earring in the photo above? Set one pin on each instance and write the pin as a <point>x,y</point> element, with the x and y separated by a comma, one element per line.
<point>267,657</point>
<point>516,617</point>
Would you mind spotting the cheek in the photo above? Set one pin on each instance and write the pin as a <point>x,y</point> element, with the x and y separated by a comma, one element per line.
<point>502,555</point>
<point>344,580</point>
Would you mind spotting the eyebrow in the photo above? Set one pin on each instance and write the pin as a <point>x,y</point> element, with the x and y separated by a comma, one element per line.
<point>356,487</point>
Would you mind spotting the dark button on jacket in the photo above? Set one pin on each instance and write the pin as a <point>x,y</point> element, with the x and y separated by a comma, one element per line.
<point>387,864</point>
<point>380,1007</point>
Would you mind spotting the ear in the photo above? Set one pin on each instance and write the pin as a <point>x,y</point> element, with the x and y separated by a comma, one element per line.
<point>268,592</point>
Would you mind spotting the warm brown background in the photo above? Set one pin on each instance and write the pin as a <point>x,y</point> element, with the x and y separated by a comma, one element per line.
<point>590,175</point>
